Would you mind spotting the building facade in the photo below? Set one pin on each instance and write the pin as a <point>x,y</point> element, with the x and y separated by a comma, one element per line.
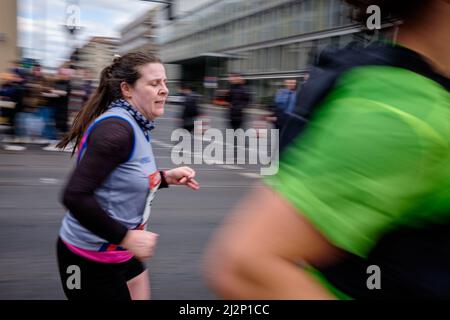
<point>96,54</point>
<point>265,40</point>
<point>139,35</point>
<point>8,34</point>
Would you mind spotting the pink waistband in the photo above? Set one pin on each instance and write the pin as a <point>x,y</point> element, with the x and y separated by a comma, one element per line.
<point>101,256</point>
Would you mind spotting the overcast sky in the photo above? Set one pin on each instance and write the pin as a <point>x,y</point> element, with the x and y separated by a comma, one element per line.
<point>41,24</point>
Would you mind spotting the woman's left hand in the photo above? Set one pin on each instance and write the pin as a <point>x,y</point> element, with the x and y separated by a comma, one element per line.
<point>182,176</point>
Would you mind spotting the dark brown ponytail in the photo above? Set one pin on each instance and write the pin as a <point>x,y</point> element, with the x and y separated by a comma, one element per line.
<point>123,69</point>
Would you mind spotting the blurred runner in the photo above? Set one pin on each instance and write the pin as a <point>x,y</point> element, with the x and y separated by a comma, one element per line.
<point>360,207</point>
<point>110,192</point>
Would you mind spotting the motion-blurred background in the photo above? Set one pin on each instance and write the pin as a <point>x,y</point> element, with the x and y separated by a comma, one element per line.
<point>51,55</point>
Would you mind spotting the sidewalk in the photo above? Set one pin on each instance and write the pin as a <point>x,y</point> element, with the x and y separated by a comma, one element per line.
<point>13,143</point>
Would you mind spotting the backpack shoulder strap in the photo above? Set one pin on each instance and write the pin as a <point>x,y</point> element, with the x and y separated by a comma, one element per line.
<point>333,63</point>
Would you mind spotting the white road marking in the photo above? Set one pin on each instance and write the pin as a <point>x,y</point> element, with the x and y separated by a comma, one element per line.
<point>48,180</point>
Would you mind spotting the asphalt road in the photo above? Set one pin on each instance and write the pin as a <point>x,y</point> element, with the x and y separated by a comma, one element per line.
<point>30,217</point>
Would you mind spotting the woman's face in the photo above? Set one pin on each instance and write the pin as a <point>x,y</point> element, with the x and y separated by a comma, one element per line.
<point>149,93</point>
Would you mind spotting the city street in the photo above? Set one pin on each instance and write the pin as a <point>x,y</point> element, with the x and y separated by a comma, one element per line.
<point>31,182</point>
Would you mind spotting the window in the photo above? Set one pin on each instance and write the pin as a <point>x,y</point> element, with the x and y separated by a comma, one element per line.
<point>296,18</point>
<point>274,58</point>
<point>307,16</point>
<point>290,57</point>
<point>285,20</point>
<point>258,27</point>
<point>303,55</point>
<point>253,61</point>
<point>245,62</point>
<point>264,66</point>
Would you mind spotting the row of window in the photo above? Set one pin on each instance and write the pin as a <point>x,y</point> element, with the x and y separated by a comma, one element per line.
<point>292,60</point>
<point>290,57</point>
<point>290,19</point>
<point>218,13</point>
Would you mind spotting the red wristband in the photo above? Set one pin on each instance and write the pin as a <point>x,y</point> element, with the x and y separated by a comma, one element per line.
<point>164,183</point>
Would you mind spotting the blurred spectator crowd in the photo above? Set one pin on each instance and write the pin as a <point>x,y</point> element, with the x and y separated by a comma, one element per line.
<point>38,107</point>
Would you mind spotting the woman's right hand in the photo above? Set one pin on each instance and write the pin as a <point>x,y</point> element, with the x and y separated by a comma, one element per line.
<point>140,243</point>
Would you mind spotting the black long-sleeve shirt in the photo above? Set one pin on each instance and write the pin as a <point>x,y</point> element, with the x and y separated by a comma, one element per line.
<point>110,144</point>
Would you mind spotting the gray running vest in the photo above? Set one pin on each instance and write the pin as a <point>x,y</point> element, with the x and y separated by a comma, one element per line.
<point>126,195</point>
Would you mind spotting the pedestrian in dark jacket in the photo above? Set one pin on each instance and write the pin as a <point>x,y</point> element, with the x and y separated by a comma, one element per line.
<point>190,107</point>
<point>14,92</point>
<point>238,99</point>
<point>285,101</point>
